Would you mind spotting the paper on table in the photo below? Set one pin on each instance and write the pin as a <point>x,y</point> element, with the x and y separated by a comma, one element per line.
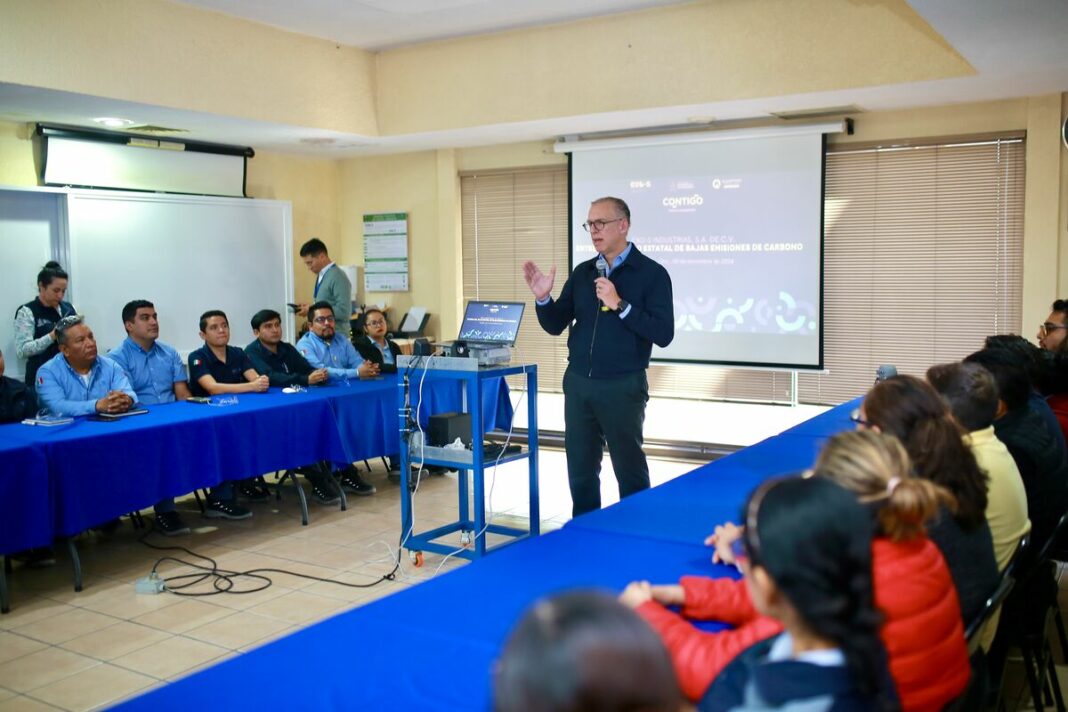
<point>414,319</point>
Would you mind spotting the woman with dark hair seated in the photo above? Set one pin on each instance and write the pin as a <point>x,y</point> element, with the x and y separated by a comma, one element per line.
<point>912,411</point>
<point>584,651</point>
<point>922,628</point>
<point>376,346</point>
<point>806,556</point>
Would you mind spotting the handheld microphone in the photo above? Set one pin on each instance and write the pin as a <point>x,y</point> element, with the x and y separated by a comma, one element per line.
<point>602,271</point>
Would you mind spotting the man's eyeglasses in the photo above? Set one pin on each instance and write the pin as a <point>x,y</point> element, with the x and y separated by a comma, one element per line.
<point>1049,326</point>
<point>597,225</point>
<point>855,417</point>
<point>324,320</point>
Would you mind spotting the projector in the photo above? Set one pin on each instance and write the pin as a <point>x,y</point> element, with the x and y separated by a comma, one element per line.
<point>490,355</point>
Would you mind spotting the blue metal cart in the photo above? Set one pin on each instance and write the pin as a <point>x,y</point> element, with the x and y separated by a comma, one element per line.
<point>471,525</point>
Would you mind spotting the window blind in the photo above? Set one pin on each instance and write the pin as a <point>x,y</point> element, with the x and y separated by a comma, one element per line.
<point>508,218</point>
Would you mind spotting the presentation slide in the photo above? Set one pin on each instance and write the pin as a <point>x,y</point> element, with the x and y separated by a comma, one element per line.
<point>738,224</point>
<point>492,322</point>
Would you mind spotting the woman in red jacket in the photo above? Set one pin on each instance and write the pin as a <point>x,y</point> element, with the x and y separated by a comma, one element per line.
<point>922,628</point>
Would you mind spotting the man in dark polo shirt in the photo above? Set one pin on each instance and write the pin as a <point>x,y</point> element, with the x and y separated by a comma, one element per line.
<point>217,368</point>
<point>280,362</point>
<point>284,366</point>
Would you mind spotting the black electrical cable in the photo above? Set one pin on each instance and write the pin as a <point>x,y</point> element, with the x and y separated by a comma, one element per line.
<point>223,580</point>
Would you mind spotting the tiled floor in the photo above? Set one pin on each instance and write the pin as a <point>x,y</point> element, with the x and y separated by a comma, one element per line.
<point>78,651</point>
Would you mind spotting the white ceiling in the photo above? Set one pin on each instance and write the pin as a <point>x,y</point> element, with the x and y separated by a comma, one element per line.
<point>1018,48</point>
<point>382,24</point>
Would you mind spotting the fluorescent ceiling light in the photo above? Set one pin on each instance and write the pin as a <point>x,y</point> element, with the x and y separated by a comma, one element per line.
<point>113,123</point>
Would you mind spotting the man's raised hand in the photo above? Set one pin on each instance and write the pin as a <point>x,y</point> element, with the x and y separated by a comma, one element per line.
<point>540,284</point>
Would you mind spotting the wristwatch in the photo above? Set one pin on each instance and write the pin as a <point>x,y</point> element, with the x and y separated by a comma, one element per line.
<point>623,304</point>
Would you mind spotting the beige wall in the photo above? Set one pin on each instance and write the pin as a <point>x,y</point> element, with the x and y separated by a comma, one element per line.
<point>16,155</point>
<point>174,55</point>
<point>404,183</point>
<point>679,55</point>
<point>312,185</point>
<point>170,54</point>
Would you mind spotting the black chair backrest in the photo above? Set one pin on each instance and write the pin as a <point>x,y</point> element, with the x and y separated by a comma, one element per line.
<point>1001,592</point>
<point>1018,557</point>
<point>996,599</point>
<point>1056,536</point>
<point>1037,562</point>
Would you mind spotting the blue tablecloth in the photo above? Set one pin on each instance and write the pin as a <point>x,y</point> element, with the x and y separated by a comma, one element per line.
<point>432,647</point>
<point>25,497</point>
<point>65,479</point>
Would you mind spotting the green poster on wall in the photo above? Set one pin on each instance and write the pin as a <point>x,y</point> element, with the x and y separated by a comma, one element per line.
<point>385,252</point>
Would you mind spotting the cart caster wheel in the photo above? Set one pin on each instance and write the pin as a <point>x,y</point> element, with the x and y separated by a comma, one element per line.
<point>416,557</point>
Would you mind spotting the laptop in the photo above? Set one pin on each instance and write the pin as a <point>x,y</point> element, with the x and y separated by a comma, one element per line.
<point>491,328</point>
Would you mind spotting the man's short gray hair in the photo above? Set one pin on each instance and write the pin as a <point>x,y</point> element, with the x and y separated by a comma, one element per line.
<point>64,325</point>
<point>620,205</point>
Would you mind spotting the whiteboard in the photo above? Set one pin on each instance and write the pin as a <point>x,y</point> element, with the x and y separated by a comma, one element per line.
<point>185,254</point>
<point>31,225</point>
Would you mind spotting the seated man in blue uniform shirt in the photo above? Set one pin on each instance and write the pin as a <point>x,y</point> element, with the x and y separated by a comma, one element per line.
<point>157,375</point>
<point>78,382</point>
<point>217,368</point>
<point>323,349</point>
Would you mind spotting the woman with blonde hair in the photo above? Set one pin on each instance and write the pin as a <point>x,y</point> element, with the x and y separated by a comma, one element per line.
<point>922,629</point>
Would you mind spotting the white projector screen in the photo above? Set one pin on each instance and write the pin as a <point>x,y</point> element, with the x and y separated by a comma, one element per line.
<point>738,225</point>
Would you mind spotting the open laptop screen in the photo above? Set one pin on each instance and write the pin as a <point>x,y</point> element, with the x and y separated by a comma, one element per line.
<point>491,323</point>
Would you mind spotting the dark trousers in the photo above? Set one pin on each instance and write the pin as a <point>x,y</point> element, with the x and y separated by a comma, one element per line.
<point>596,411</point>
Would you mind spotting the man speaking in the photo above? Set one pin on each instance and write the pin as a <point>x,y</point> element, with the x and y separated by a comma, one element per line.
<point>618,305</point>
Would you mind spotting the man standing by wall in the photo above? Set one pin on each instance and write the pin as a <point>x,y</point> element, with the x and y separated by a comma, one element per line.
<point>331,284</point>
<point>617,317</point>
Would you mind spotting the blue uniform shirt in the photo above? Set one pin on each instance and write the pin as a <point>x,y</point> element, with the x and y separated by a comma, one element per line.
<point>338,357</point>
<point>152,373</point>
<point>64,392</point>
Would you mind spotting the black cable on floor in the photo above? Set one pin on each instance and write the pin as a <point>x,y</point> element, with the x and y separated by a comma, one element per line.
<point>224,580</point>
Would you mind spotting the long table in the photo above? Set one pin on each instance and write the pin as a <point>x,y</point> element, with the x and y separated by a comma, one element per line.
<point>61,480</point>
<point>432,646</point>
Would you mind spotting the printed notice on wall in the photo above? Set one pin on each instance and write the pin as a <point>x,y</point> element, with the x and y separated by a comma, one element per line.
<point>385,252</point>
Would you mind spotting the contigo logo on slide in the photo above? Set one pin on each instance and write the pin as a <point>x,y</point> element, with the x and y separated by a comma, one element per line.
<point>683,201</point>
